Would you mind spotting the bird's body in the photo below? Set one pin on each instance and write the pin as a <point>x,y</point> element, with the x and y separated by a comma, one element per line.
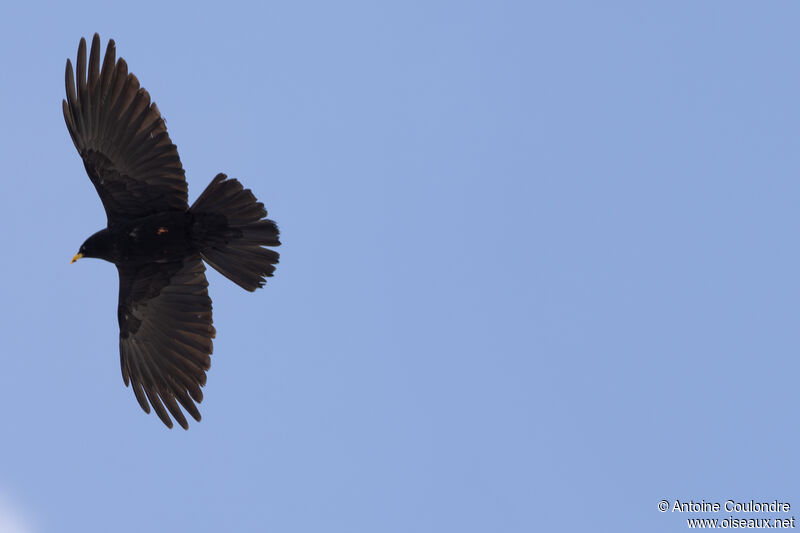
<point>156,240</point>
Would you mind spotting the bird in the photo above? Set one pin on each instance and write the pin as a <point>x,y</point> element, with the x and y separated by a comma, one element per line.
<point>157,241</point>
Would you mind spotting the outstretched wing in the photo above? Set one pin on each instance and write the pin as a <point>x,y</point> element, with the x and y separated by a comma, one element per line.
<point>165,333</point>
<point>122,138</point>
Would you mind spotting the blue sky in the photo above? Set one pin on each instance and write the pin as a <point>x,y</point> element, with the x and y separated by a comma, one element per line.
<point>539,268</point>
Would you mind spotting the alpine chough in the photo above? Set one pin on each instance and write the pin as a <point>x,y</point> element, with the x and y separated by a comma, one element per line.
<point>156,240</point>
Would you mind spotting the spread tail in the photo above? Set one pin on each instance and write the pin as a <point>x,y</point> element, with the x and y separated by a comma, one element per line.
<point>230,230</point>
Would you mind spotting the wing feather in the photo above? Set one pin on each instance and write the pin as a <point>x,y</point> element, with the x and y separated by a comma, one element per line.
<point>121,137</point>
<point>165,336</point>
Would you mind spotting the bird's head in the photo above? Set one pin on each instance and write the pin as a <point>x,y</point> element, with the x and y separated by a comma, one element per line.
<point>98,246</point>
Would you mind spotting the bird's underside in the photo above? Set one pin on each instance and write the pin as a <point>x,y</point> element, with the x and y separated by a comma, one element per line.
<point>157,241</point>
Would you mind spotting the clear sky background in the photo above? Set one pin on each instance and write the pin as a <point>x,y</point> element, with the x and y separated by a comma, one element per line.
<point>539,268</point>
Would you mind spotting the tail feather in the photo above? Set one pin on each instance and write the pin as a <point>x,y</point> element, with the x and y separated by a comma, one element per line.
<point>231,231</point>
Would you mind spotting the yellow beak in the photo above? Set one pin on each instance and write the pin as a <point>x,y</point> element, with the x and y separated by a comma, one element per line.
<point>77,256</point>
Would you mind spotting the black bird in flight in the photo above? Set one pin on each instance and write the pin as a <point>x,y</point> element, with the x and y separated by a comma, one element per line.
<point>156,240</point>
